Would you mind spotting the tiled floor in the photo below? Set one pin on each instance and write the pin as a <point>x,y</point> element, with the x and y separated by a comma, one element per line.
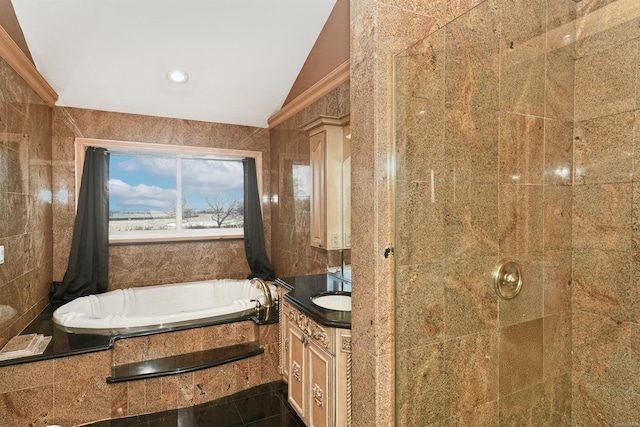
<point>261,406</point>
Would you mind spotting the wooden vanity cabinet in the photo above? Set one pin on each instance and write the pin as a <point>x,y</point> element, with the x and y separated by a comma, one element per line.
<point>319,371</point>
<point>310,382</point>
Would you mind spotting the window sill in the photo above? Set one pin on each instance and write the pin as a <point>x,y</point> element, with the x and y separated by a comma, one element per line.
<point>170,239</point>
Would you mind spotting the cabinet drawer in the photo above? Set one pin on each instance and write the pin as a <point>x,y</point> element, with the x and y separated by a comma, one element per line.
<point>321,335</point>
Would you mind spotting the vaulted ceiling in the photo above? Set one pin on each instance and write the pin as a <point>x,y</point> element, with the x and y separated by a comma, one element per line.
<point>242,57</point>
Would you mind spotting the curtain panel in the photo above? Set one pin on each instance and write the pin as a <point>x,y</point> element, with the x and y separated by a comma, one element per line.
<point>88,267</point>
<point>254,243</point>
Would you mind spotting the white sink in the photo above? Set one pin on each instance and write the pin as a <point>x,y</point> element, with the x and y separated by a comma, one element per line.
<point>338,302</point>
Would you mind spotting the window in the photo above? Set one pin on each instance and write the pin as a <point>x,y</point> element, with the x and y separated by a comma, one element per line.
<point>163,192</point>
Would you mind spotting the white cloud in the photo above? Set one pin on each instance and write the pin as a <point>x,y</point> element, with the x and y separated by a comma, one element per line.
<point>155,166</point>
<point>200,179</point>
<point>124,195</point>
<point>211,177</point>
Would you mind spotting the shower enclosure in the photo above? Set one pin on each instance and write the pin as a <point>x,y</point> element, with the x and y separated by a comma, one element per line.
<point>517,136</point>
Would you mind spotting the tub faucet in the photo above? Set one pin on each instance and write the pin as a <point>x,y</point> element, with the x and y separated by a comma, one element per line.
<point>268,300</point>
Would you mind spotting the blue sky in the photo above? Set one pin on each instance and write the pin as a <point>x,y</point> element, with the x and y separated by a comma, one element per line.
<point>149,183</point>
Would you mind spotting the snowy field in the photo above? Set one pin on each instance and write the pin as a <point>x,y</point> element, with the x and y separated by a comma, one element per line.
<point>162,221</point>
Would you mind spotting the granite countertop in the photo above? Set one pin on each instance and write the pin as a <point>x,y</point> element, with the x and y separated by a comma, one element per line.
<point>303,288</point>
<point>65,343</point>
<point>62,343</point>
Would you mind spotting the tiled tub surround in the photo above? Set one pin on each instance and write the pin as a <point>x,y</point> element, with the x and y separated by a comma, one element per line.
<point>62,343</point>
<point>134,265</point>
<point>73,390</point>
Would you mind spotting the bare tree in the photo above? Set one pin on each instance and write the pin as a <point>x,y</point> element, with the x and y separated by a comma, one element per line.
<point>221,209</point>
<point>186,212</point>
<point>239,209</point>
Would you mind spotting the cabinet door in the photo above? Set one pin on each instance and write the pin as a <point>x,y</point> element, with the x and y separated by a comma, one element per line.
<point>320,386</point>
<point>297,378</point>
<point>318,219</point>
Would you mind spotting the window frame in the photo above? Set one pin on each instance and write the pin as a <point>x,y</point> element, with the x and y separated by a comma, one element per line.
<point>81,145</point>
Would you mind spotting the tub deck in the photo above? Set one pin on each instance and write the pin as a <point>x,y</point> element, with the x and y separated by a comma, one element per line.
<point>204,363</point>
<point>64,343</point>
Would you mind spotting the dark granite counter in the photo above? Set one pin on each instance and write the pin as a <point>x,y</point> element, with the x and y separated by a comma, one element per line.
<point>303,288</point>
<point>64,343</point>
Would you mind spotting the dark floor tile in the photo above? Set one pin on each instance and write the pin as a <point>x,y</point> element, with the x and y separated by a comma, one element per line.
<point>227,400</point>
<point>170,420</point>
<point>222,415</point>
<point>164,419</point>
<point>263,388</point>
<point>286,419</point>
<point>174,418</point>
<point>260,406</point>
<point>187,417</point>
<point>106,423</point>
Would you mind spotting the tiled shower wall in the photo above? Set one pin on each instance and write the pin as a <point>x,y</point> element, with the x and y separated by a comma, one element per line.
<point>25,203</point>
<point>511,166</point>
<point>484,152</point>
<point>606,215</point>
<point>291,252</point>
<point>139,265</point>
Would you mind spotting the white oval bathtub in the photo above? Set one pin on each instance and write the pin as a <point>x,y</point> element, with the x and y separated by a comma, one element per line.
<point>161,306</point>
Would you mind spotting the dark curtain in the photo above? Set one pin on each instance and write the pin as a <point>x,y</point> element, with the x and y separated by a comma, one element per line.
<point>87,271</point>
<point>253,228</point>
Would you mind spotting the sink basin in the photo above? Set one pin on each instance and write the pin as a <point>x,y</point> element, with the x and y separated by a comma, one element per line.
<point>338,302</point>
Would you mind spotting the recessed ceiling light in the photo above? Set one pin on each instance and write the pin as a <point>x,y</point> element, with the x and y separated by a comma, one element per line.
<point>177,76</point>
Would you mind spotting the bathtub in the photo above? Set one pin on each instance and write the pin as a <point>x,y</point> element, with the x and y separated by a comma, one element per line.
<point>149,308</point>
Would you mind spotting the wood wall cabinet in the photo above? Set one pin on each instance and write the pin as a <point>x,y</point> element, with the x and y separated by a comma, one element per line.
<point>319,370</point>
<point>330,152</point>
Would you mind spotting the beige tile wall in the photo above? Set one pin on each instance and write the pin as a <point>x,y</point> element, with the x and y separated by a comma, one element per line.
<point>483,156</point>
<point>486,102</point>
<point>291,252</point>
<point>25,203</point>
<point>139,265</point>
<point>525,86</point>
<point>37,162</point>
<point>606,295</point>
<point>379,30</point>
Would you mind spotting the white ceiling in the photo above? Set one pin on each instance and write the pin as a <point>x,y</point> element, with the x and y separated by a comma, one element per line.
<point>242,56</point>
